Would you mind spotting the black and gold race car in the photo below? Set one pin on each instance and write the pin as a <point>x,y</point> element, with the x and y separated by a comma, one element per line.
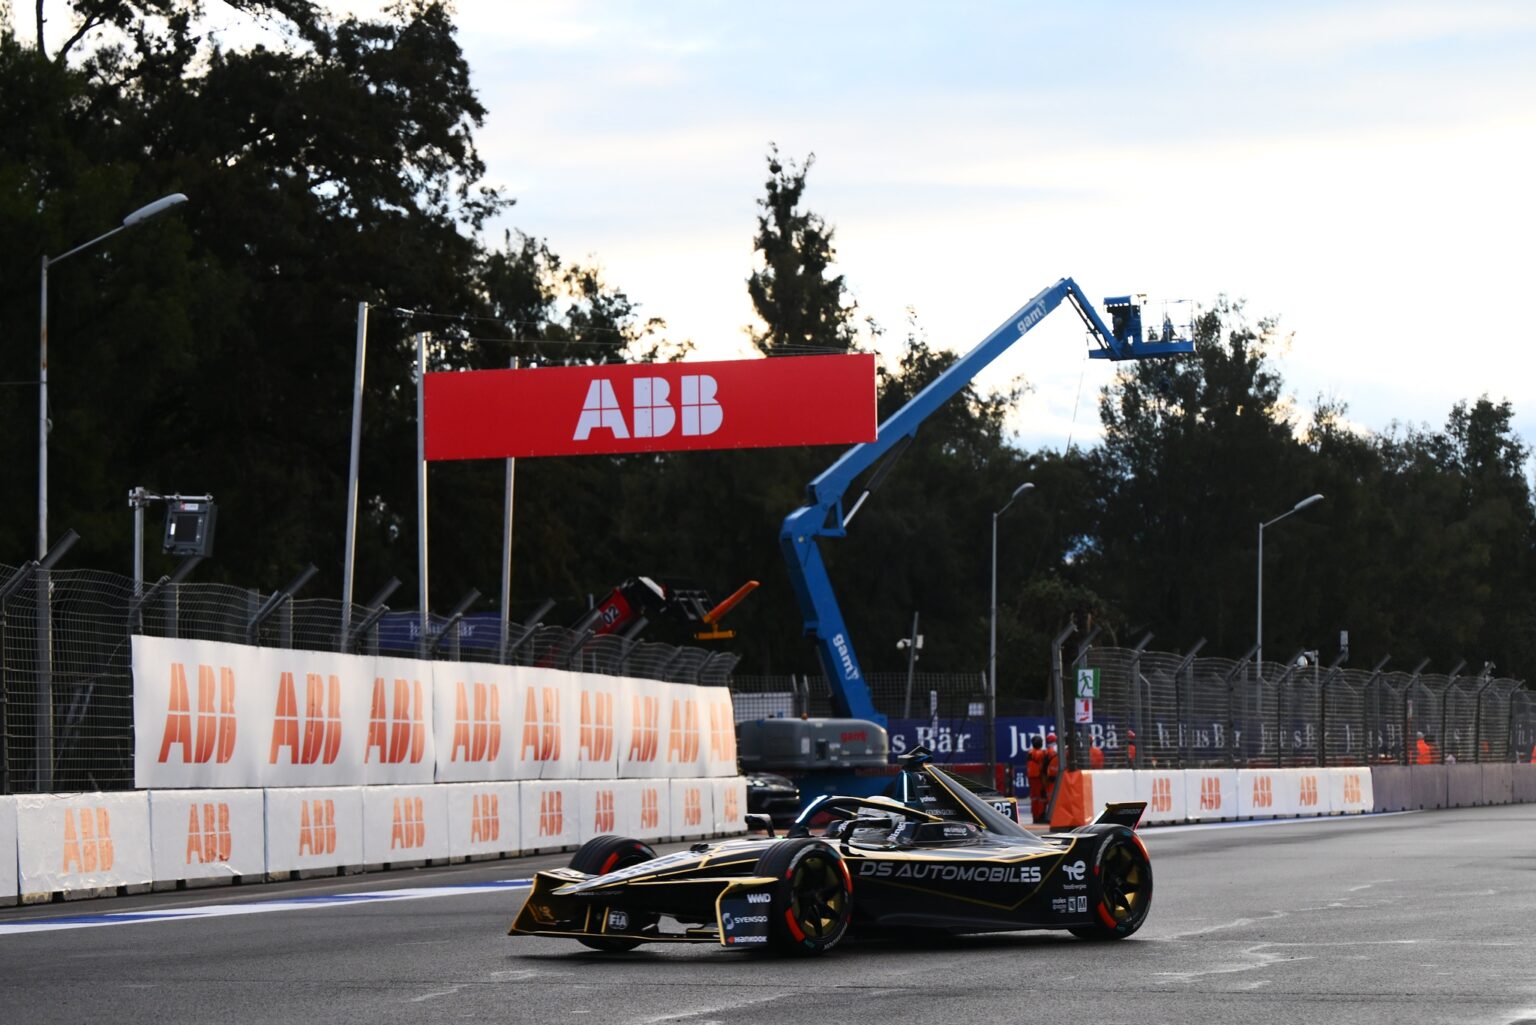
<point>927,855</point>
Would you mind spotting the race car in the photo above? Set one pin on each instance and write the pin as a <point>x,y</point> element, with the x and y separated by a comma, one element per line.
<point>931,856</point>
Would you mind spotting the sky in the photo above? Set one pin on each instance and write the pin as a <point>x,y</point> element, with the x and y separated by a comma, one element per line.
<point>1358,170</point>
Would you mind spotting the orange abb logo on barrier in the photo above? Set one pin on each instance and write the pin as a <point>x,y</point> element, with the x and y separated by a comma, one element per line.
<point>317,827</point>
<point>693,807</point>
<point>1210,793</point>
<point>683,737</point>
<point>1263,792</point>
<point>1162,794</point>
<point>410,829</point>
<point>1352,794</point>
<point>215,734</point>
<point>485,818</point>
<point>650,809</point>
<point>551,813</point>
<point>596,726</point>
<point>398,733</point>
<point>322,720</point>
<point>732,811</point>
<point>541,733</point>
<point>722,733</point>
<point>603,818</point>
<point>476,723</point>
<point>208,836</point>
<point>88,840</point>
<point>1309,791</point>
<point>645,733</point>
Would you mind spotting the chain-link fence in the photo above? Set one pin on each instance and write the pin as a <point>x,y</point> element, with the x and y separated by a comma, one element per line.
<point>1160,709</point>
<point>66,679</point>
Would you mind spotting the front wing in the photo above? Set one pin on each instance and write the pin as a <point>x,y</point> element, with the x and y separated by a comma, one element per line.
<point>731,911</point>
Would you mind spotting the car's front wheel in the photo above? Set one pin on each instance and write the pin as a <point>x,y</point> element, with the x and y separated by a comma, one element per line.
<point>600,856</point>
<point>813,898</point>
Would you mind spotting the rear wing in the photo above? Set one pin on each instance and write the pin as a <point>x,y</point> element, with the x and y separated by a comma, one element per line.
<point>1122,813</point>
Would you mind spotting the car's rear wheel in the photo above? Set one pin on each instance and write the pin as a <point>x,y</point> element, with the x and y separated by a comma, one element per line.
<point>813,898</point>
<point>599,856</point>
<point>1123,873</point>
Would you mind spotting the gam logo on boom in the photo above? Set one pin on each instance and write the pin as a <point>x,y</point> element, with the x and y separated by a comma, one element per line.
<point>476,723</point>
<point>322,720</point>
<point>214,737</point>
<point>208,837</point>
<point>596,726</point>
<point>654,416</point>
<point>88,840</point>
<point>396,733</point>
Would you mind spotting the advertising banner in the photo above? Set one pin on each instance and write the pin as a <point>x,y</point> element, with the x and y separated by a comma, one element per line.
<point>82,841</point>
<point>650,407</point>
<point>654,817</point>
<point>207,834</point>
<point>693,807</point>
<point>478,720</point>
<point>551,814</point>
<point>212,714</point>
<point>608,806</point>
<point>720,721</point>
<point>1210,794</point>
<point>314,828</point>
<point>483,818</point>
<point>1163,791</point>
<point>404,824</point>
<point>600,701</point>
<point>644,730</point>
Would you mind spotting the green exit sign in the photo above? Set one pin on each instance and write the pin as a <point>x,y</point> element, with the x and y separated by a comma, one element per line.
<point>1088,683</point>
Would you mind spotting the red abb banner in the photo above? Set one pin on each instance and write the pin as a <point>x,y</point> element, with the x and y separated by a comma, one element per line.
<point>651,407</point>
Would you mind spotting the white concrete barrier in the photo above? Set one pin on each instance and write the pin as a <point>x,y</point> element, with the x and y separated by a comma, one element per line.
<point>730,806</point>
<point>207,834</point>
<point>693,808</point>
<point>653,808</point>
<point>73,842</point>
<point>1108,786</point>
<point>1349,790</point>
<point>314,828</point>
<point>404,824</point>
<point>604,808</point>
<point>483,818</point>
<point>8,881</point>
<point>1210,794</point>
<point>1163,790</point>
<point>551,814</point>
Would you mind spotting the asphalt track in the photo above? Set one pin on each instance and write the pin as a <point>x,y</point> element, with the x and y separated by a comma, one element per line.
<point>1402,919</point>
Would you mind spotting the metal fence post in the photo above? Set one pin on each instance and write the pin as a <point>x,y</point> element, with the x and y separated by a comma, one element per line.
<point>1241,667</point>
<point>1136,682</point>
<point>1178,696</point>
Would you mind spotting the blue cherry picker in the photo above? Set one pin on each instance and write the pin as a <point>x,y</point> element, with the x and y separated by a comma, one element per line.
<point>823,514</point>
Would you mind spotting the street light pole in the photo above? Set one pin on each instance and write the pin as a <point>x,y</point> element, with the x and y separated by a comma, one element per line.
<point>992,648</point>
<point>1258,651</point>
<point>140,215</point>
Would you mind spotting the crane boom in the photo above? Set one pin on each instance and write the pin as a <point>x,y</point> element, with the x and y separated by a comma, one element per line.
<point>823,514</point>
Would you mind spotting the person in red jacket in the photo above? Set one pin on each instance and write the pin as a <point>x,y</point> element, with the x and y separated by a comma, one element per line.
<point>1423,754</point>
<point>1034,772</point>
<point>1052,766</point>
<point>1130,748</point>
<point>1095,755</point>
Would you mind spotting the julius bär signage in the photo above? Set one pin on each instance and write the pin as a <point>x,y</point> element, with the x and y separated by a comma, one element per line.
<point>651,407</point>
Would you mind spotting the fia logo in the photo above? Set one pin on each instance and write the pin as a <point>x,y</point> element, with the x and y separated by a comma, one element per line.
<point>1162,794</point>
<point>650,809</point>
<point>215,735</point>
<point>476,723</point>
<point>683,737</point>
<point>397,733</point>
<point>645,733</point>
<point>551,813</point>
<point>410,829</point>
<point>1210,793</point>
<point>485,818</point>
<point>1263,792</point>
<point>722,733</point>
<point>603,818</point>
<point>1075,871</point>
<point>208,836</point>
<point>654,416</point>
<point>1308,791</point>
<point>322,721</point>
<point>317,827</point>
<point>597,726</point>
<point>693,807</point>
<point>88,840</point>
<point>541,733</point>
<point>1352,789</point>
